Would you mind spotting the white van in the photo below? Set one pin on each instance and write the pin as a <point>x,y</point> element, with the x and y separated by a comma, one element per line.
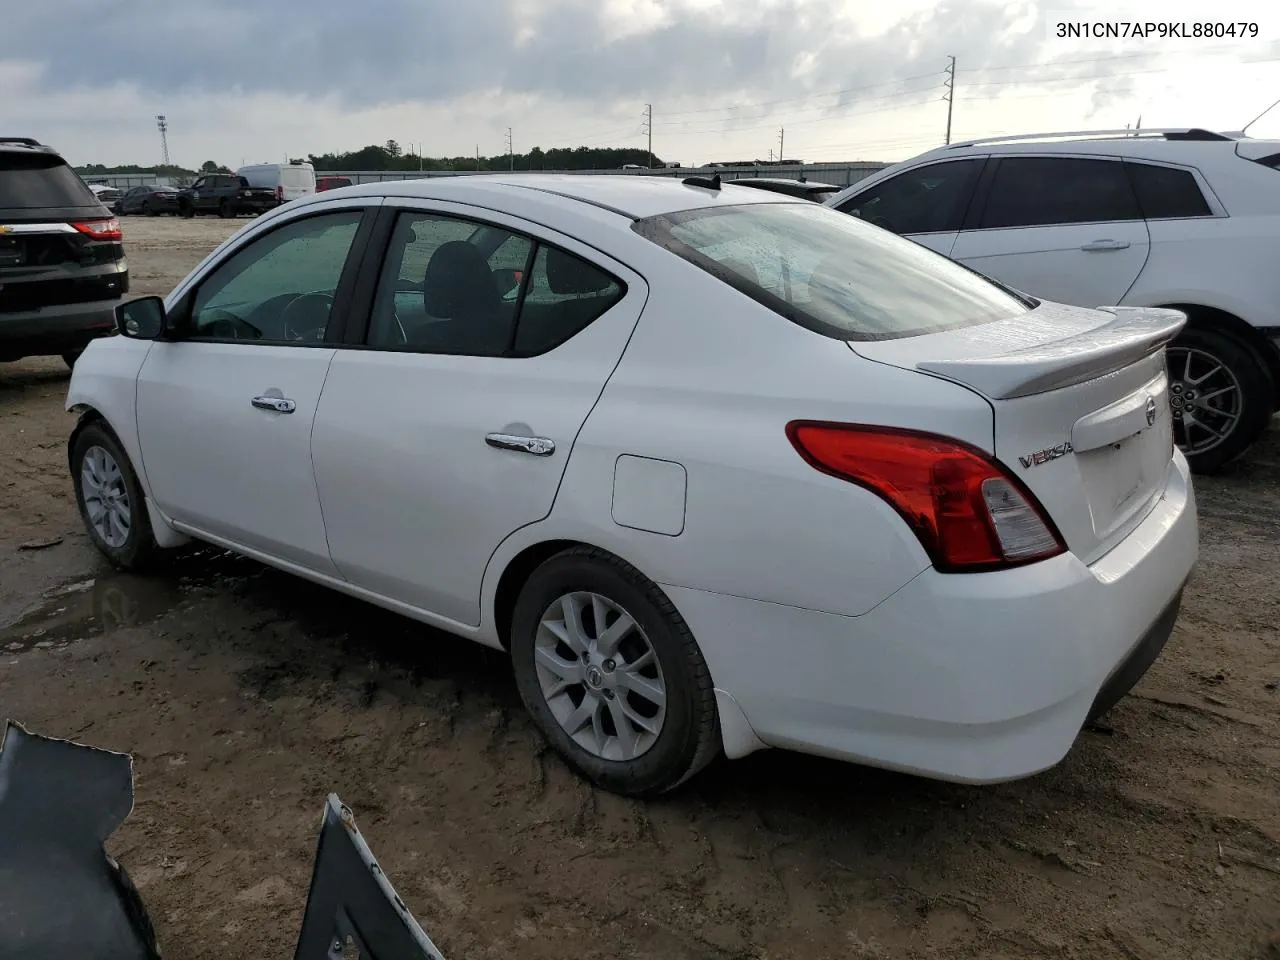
<point>289,180</point>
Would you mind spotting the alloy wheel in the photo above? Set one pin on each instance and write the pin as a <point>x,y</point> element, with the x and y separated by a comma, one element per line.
<point>600,676</point>
<point>1205,398</point>
<point>106,497</point>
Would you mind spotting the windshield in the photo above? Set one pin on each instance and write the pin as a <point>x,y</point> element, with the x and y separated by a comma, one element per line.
<point>831,272</point>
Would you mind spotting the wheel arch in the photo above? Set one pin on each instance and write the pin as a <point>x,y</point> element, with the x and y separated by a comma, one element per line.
<point>516,574</point>
<point>1216,319</point>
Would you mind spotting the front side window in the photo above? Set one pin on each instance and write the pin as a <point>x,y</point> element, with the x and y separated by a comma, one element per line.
<point>830,272</point>
<point>280,287</point>
<point>928,199</point>
<point>1050,191</point>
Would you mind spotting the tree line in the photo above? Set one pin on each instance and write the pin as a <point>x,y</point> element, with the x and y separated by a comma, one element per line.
<point>391,156</point>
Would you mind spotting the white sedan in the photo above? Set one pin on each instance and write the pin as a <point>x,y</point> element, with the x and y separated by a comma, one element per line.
<point>720,468</point>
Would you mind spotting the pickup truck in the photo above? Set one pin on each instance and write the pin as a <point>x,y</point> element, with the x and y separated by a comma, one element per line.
<point>225,194</point>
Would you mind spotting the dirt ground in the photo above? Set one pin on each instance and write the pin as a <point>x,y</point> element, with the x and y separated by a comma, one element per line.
<point>246,696</point>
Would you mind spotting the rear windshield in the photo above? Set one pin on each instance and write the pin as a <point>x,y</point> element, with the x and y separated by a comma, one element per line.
<point>32,182</point>
<point>831,272</point>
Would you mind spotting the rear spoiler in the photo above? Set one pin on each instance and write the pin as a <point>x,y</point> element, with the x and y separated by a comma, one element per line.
<point>1132,334</point>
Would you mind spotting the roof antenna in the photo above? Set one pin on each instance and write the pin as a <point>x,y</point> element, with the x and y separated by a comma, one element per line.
<point>710,183</point>
<point>1246,127</point>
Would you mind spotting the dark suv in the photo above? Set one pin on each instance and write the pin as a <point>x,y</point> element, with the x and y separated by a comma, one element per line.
<point>62,266</point>
<point>227,195</point>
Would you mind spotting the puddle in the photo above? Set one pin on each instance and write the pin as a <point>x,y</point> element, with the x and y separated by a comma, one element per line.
<point>115,601</point>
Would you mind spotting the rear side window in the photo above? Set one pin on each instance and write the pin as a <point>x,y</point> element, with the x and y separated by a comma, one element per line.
<point>32,182</point>
<point>565,294</point>
<point>1048,191</point>
<point>831,273</point>
<point>1166,193</point>
<point>929,199</point>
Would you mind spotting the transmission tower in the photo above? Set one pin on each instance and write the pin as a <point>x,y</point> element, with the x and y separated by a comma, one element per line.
<point>511,154</point>
<point>163,124</point>
<point>950,97</point>
<point>647,128</point>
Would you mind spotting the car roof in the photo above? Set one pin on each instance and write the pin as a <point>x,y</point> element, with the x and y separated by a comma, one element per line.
<point>632,197</point>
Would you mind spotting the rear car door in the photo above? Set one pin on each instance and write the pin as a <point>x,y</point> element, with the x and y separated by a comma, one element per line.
<point>226,404</point>
<point>1067,229</point>
<point>447,423</point>
<point>926,204</point>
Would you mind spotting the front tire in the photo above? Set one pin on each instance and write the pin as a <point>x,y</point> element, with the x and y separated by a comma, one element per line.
<point>612,676</point>
<point>110,498</point>
<point>186,210</point>
<point>1221,396</point>
<point>225,210</point>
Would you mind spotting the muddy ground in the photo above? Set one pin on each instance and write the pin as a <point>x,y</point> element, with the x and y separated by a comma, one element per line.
<point>247,695</point>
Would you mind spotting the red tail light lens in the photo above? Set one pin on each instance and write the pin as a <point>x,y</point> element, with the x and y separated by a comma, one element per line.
<point>968,512</point>
<point>99,229</point>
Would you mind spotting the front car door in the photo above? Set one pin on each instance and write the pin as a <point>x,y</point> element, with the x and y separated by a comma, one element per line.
<point>448,423</point>
<point>1067,229</point>
<point>926,203</point>
<point>225,405</point>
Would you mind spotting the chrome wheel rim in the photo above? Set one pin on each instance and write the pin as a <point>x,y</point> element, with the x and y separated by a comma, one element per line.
<point>600,676</point>
<point>106,498</point>
<point>1205,398</point>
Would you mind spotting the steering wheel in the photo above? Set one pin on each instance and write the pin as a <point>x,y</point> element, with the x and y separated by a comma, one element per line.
<point>306,316</point>
<point>224,325</point>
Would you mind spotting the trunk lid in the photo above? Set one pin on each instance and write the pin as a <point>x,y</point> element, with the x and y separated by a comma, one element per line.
<point>1081,407</point>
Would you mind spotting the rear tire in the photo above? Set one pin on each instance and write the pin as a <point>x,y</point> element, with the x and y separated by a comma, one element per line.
<point>186,210</point>
<point>635,716</point>
<point>1221,394</point>
<point>225,210</point>
<point>110,498</point>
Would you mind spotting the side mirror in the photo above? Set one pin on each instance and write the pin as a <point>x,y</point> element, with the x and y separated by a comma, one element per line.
<point>141,319</point>
<point>508,280</point>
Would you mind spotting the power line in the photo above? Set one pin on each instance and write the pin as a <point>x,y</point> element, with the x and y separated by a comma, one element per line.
<point>806,97</point>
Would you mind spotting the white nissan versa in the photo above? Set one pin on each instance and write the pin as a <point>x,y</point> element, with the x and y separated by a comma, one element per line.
<point>721,468</point>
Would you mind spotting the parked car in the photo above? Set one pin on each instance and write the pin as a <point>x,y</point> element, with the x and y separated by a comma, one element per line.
<point>1182,218</point>
<point>62,264</point>
<point>725,469</point>
<point>150,200</point>
<point>288,181</point>
<point>104,192</point>
<point>225,194</point>
<point>805,189</point>
<point>331,183</point>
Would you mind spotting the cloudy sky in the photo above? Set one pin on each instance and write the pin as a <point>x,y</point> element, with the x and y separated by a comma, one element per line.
<point>253,80</point>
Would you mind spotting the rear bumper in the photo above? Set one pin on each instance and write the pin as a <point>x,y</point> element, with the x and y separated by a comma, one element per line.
<point>51,331</point>
<point>968,677</point>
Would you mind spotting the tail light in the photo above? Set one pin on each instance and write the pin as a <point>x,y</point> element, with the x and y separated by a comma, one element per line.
<point>108,229</point>
<point>968,512</point>
<point>279,193</point>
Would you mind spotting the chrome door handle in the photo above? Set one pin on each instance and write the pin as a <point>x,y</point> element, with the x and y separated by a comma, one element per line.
<point>1106,245</point>
<point>538,446</point>
<point>278,404</point>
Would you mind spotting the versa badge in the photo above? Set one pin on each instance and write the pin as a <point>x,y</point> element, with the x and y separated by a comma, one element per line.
<point>1044,456</point>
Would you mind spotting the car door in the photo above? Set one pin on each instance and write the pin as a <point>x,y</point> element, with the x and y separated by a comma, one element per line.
<point>448,424</point>
<point>926,203</point>
<point>226,403</point>
<point>1060,228</point>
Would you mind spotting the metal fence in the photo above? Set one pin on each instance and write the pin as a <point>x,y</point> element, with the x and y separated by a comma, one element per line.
<point>839,174</point>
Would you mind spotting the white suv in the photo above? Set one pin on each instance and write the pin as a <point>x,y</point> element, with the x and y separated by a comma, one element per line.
<point>1182,218</point>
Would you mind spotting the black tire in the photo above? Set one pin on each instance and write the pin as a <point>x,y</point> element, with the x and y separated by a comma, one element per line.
<point>149,210</point>
<point>139,548</point>
<point>225,210</point>
<point>71,357</point>
<point>186,210</point>
<point>689,738</point>
<point>1256,389</point>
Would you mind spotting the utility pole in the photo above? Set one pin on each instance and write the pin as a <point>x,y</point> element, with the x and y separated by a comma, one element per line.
<point>782,133</point>
<point>163,125</point>
<point>648,128</point>
<point>511,153</point>
<point>477,156</point>
<point>951,92</point>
